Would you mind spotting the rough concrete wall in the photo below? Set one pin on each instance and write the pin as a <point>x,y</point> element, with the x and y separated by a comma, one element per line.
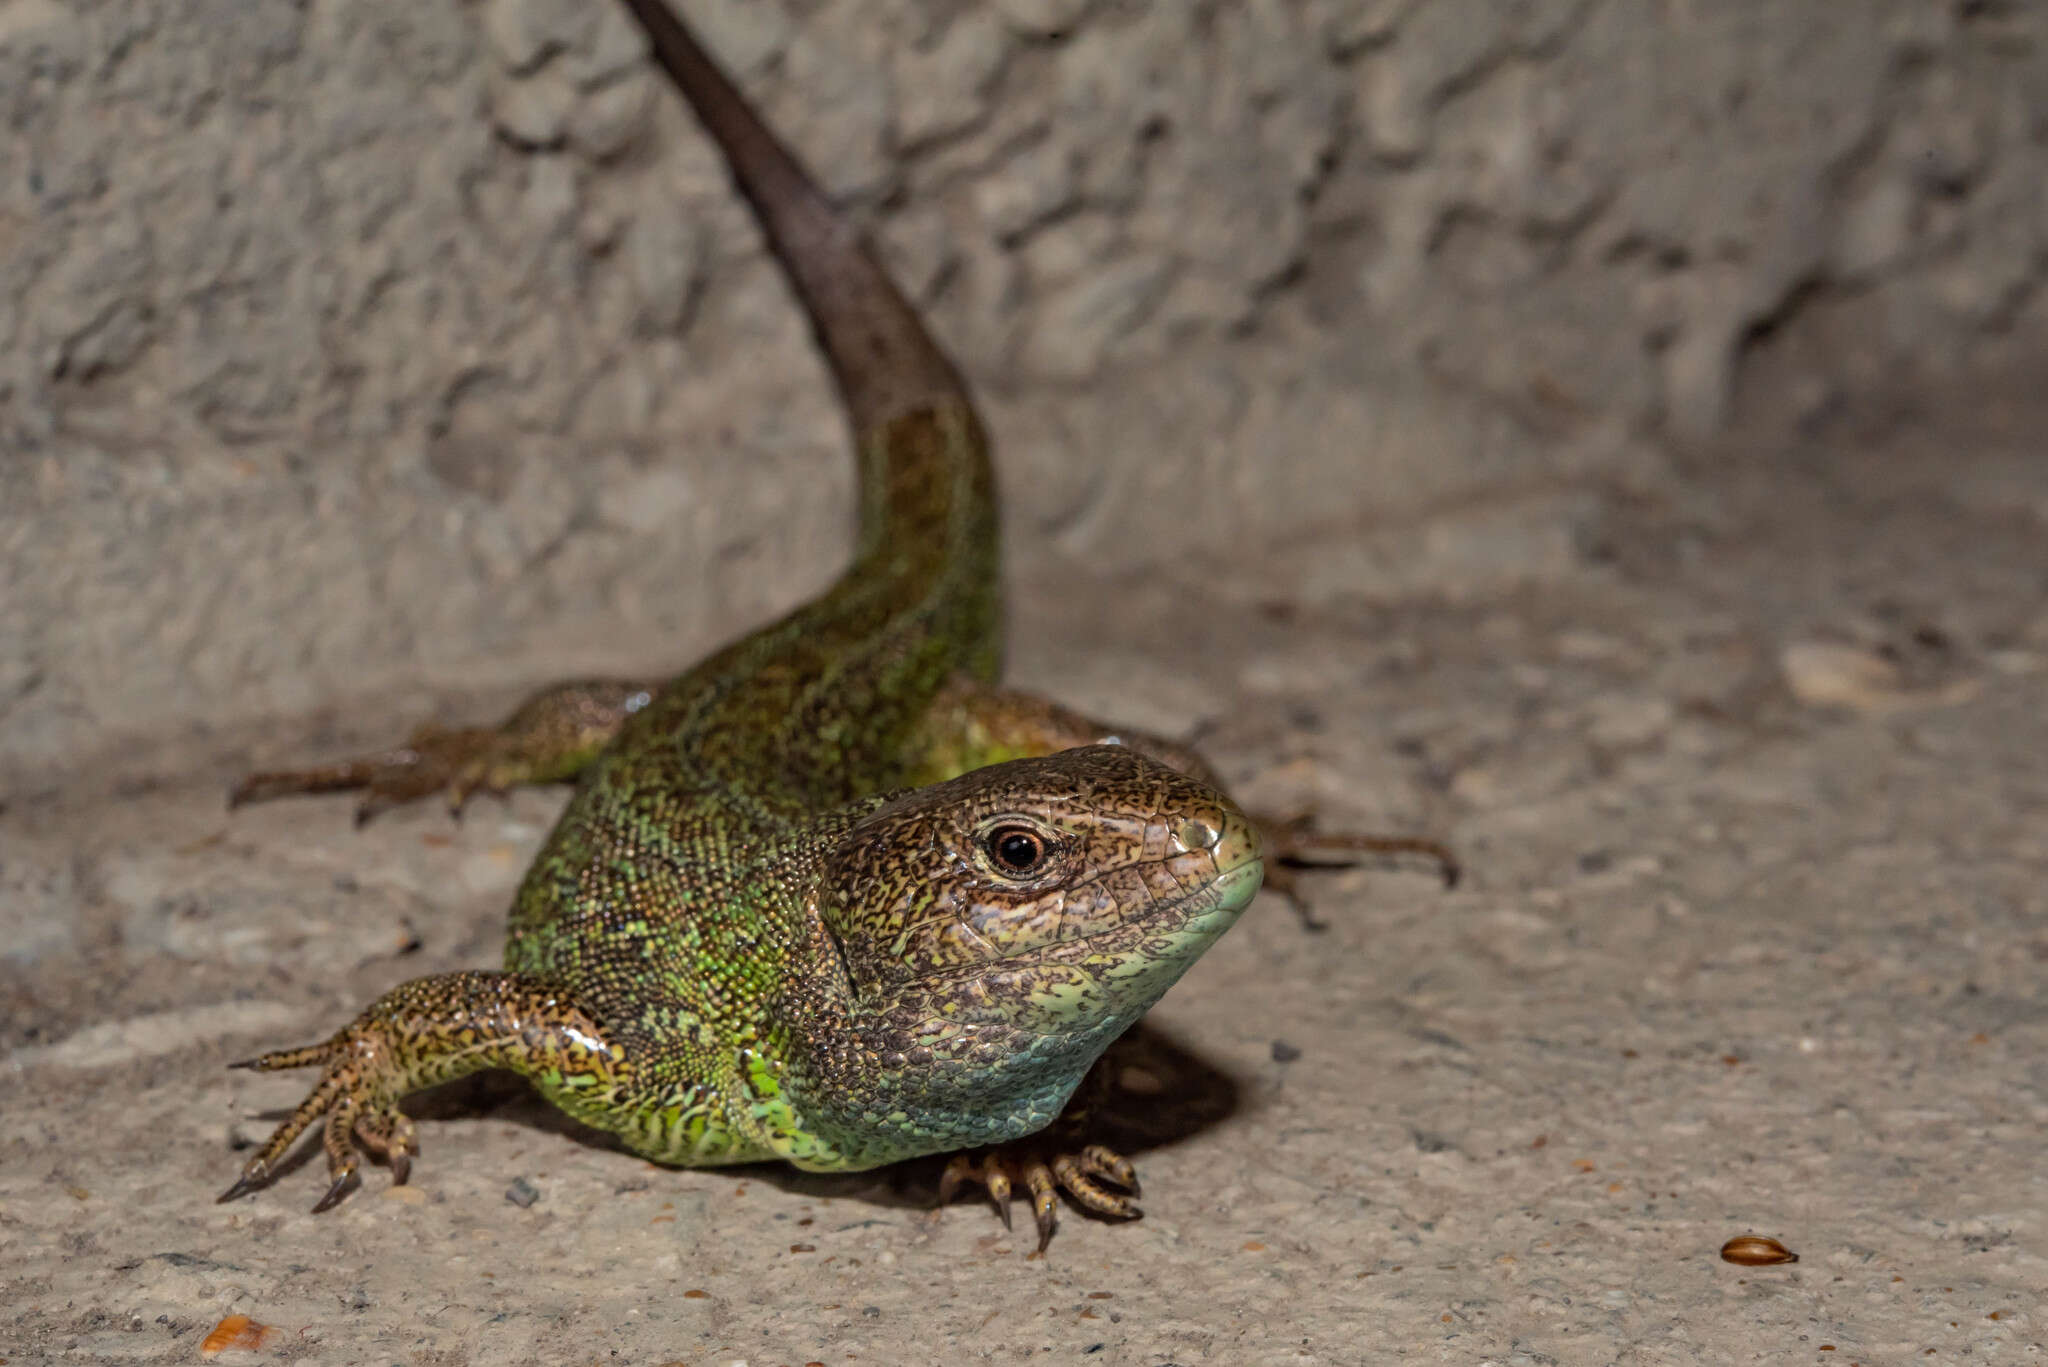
<point>350,344</point>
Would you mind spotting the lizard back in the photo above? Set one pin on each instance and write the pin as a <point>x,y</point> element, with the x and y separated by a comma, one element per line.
<point>705,788</point>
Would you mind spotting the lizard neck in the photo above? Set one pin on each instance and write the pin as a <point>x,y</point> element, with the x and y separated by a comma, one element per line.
<point>824,707</point>
<point>929,535</point>
<point>874,1082</point>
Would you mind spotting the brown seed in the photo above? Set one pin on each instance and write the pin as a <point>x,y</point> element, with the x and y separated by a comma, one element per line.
<point>1754,1250</point>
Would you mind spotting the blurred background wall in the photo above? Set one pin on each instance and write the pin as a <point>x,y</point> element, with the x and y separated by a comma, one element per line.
<point>349,347</point>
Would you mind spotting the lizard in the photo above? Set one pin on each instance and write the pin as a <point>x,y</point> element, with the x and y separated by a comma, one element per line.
<point>833,896</point>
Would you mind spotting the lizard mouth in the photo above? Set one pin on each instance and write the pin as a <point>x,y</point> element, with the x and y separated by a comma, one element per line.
<point>1114,971</point>
<point>1235,887</point>
<point>1134,938</point>
<point>1209,873</point>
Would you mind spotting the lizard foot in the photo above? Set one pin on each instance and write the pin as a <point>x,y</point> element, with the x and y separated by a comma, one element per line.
<point>456,763</point>
<point>1044,1175</point>
<point>355,1104</point>
<point>1294,846</point>
<point>428,1031</point>
<point>551,737</point>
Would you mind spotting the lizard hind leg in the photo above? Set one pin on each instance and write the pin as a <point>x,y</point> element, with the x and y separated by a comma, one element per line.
<point>549,738</point>
<point>1295,847</point>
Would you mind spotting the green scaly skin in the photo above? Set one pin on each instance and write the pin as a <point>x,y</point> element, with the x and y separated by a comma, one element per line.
<point>753,934</point>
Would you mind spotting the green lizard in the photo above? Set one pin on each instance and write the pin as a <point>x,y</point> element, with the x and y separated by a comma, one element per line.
<point>833,896</point>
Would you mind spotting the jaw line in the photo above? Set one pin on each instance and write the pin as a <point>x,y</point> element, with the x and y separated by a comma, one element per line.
<point>1227,895</point>
<point>1251,873</point>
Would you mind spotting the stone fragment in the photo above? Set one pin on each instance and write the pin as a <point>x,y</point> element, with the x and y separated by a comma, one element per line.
<point>524,34</point>
<point>609,120</point>
<point>745,35</point>
<point>1356,24</point>
<point>1077,325</point>
<point>1042,18</point>
<point>1830,674</point>
<point>1027,190</point>
<point>533,111</point>
<point>615,46</point>
<point>944,90</point>
<point>1876,228</point>
<point>665,252</point>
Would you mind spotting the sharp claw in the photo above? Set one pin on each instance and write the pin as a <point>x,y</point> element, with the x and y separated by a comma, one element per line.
<point>244,1184</point>
<point>1107,1162</point>
<point>401,1168</point>
<point>1003,1210</point>
<point>1046,1224</point>
<point>342,1186</point>
<point>1305,913</point>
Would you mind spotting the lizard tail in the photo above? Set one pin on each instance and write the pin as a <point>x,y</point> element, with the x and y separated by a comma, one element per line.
<point>884,361</point>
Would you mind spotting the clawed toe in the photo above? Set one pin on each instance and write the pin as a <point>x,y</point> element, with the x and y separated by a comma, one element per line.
<point>351,1110</point>
<point>1296,840</point>
<point>455,763</point>
<point>1044,1177</point>
<point>1294,845</point>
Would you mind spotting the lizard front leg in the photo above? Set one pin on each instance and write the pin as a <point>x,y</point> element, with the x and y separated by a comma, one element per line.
<point>549,738</point>
<point>428,1031</point>
<point>1056,1159</point>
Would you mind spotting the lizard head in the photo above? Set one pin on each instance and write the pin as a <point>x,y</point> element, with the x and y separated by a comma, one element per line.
<point>997,931</point>
<point>1042,891</point>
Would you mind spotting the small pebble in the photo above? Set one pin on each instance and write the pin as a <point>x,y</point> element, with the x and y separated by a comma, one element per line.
<point>522,1193</point>
<point>1283,1052</point>
<point>1824,674</point>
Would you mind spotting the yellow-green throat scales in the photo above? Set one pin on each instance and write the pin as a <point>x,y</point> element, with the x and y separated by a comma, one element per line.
<point>833,895</point>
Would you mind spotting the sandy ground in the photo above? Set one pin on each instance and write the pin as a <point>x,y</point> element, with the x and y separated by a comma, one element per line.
<point>1755,805</point>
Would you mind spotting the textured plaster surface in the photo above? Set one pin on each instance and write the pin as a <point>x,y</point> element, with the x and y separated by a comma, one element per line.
<point>306,306</point>
<point>1575,430</point>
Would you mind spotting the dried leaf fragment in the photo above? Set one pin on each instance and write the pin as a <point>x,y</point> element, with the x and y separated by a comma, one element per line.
<point>236,1332</point>
<point>1754,1250</point>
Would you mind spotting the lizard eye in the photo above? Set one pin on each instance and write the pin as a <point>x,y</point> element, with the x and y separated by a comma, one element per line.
<point>1017,851</point>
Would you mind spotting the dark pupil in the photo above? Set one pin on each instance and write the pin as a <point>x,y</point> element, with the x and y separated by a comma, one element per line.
<point>1017,851</point>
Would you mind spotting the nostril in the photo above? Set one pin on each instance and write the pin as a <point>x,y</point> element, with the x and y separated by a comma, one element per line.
<point>1196,834</point>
